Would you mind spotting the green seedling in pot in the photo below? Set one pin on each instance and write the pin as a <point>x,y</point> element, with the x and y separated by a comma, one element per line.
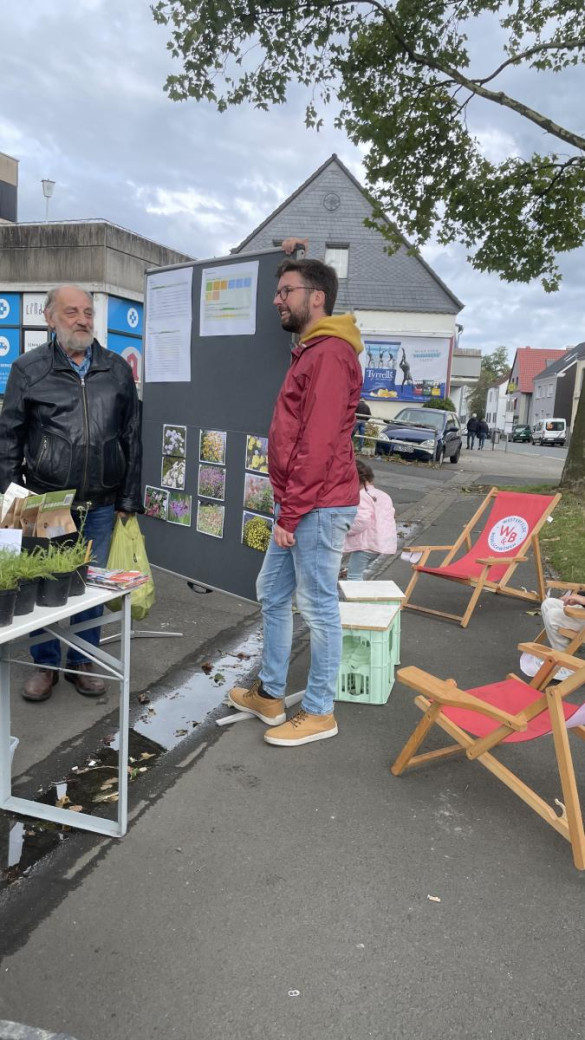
<point>8,569</point>
<point>31,565</point>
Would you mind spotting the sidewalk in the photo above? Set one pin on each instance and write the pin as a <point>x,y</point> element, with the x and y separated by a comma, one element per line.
<point>284,893</point>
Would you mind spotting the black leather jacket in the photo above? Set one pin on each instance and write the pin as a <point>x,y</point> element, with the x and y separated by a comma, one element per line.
<point>73,433</point>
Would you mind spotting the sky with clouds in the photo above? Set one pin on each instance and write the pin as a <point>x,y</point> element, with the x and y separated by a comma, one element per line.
<point>83,104</point>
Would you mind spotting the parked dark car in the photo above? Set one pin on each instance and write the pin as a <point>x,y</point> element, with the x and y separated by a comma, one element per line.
<point>522,433</point>
<point>422,433</point>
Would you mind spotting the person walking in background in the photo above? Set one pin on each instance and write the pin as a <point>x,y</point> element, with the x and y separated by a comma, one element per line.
<point>472,425</point>
<point>483,431</point>
<point>362,414</point>
<point>71,420</point>
<point>374,528</point>
<point>316,490</point>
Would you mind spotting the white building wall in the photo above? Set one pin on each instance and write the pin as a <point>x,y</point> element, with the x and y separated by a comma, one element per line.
<point>495,408</point>
<point>406,323</point>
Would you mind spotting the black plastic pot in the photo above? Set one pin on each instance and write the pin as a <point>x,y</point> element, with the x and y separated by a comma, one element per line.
<point>27,596</point>
<point>7,604</point>
<point>78,580</point>
<point>54,592</point>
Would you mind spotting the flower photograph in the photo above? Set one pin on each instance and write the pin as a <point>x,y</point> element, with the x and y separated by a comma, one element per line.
<point>173,472</point>
<point>179,509</point>
<point>258,494</point>
<point>211,482</point>
<point>156,503</point>
<point>256,531</point>
<point>174,440</point>
<point>257,453</point>
<point>210,519</point>
<point>212,446</point>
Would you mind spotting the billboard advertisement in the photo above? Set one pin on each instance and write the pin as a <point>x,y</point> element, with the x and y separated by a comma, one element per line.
<point>407,368</point>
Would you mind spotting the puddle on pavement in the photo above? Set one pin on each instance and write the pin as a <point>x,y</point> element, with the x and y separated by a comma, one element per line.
<point>166,720</point>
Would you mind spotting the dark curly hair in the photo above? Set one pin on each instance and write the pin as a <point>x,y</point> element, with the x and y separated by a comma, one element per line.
<point>365,473</point>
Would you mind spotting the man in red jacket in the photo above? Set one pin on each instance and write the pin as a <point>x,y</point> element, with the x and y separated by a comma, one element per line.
<point>316,490</point>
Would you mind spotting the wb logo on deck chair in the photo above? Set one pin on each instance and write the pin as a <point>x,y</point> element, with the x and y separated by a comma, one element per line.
<point>508,534</point>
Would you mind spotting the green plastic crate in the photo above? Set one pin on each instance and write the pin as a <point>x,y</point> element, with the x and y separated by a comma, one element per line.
<point>366,675</point>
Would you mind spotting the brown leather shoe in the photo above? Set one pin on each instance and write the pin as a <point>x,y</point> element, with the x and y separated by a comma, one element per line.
<point>40,685</point>
<point>87,683</point>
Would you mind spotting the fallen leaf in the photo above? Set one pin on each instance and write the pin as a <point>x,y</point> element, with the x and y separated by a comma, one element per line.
<point>434,899</point>
<point>207,667</point>
<point>111,797</point>
<point>181,732</point>
<point>143,698</point>
<point>75,808</point>
<point>218,678</point>
<point>62,803</point>
<point>146,755</point>
<point>108,783</point>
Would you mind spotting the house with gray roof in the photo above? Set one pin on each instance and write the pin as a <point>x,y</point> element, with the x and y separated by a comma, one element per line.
<point>398,300</point>
<point>557,388</point>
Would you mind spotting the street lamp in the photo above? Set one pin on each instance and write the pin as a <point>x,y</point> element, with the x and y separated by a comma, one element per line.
<point>48,188</point>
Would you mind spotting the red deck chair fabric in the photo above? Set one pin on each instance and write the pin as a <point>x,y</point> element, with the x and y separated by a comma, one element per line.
<point>511,695</point>
<point>510,525</point>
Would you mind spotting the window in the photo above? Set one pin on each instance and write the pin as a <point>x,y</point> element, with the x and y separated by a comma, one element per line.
<point>338,258</point>
<point>549,390</point>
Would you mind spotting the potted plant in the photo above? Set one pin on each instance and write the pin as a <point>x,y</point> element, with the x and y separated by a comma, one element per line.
<point>54,586</point>
<point>30,567</point>
<point>8,586</point>
<point>80,559</point>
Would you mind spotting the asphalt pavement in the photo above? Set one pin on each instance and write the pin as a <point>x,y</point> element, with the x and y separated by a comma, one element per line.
<point>304,893</point>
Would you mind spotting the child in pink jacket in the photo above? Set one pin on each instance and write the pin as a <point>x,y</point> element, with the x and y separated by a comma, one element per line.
<point>374,528</point>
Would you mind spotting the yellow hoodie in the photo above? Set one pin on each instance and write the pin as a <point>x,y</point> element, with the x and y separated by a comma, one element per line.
<point>342,326</point>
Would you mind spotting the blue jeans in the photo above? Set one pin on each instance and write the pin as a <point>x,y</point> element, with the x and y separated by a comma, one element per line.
<point>98,529</point>
<point>311,567</point>
<point>357,563</point>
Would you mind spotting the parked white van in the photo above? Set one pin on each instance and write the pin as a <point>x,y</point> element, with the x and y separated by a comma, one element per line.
<point>549,431</point>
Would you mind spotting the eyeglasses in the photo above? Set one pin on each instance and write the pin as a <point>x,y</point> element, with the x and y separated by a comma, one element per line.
<point>286,289</point>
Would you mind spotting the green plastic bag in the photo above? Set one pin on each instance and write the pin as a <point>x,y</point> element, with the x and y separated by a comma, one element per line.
<point>127,553</point>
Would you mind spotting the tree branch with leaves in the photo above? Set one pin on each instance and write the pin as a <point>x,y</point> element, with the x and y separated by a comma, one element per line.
<point>400,75</point>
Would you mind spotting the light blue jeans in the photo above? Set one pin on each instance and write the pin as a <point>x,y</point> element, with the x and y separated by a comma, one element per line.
<point>99,524</point>
<point>311,567</point>
<point>358,562</point>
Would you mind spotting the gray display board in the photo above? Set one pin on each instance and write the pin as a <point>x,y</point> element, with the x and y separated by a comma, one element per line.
<point>229,399</point>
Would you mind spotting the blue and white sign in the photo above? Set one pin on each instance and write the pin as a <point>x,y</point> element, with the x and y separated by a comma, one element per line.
<point>130,349</point>
<point>9,308</point>
<point>125,316</point>
<point>9,351</point>
<point>411,368</point>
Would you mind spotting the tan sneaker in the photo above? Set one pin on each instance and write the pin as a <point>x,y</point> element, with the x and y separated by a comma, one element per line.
<point>303,729</point>
<point>269,709</point>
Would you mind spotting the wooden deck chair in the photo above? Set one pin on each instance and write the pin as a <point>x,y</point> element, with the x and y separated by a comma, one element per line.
<point>576,638</point>
<point>511,711</point>
<point>510,529</point>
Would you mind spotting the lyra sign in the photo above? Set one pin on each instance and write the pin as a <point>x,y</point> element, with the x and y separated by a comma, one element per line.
<point>33,309</point>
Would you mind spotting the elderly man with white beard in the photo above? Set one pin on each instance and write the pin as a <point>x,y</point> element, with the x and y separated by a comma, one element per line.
<point>71,420</point>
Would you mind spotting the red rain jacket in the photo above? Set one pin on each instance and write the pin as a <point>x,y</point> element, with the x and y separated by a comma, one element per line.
<point>310,454</point>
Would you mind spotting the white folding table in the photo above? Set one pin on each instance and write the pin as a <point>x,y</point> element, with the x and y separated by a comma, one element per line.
<point>55,621</point>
